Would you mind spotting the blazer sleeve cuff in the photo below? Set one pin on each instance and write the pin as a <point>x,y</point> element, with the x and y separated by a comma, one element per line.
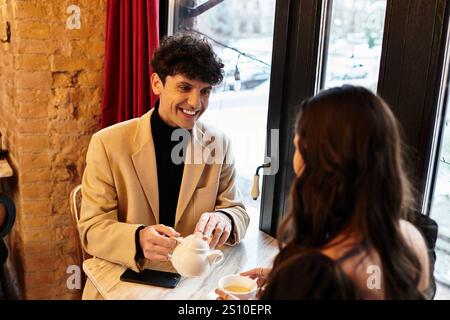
<point>139,257</point>
<point>239,225</point>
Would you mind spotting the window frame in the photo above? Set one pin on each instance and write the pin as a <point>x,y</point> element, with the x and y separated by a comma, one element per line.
<point>438,132</point>
<point>295,62</point>
<point>414,94</point>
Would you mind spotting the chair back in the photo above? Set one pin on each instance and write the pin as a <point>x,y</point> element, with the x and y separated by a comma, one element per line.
<point>7,218</point>
<point>75,205</point>
<point>7,215</point>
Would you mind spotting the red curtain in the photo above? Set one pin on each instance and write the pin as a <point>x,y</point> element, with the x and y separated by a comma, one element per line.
<point>132,34</point>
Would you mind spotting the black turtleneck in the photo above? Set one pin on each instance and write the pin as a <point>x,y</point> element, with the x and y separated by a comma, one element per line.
<point>169,173</point>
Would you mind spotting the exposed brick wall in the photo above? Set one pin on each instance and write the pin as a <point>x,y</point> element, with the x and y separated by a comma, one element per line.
<point>51,84</point>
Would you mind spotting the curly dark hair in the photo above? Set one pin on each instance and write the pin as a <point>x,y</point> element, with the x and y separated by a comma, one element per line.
<point>189,55</point>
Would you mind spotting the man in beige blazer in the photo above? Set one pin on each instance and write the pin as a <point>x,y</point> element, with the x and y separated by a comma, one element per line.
<point>120,217</point>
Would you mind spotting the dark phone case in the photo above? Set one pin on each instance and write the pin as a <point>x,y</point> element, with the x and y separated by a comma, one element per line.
<point>152,277</point>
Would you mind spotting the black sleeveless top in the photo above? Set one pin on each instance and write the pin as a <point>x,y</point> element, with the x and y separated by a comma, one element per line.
<point>314,276</point>
<point>311,276</point>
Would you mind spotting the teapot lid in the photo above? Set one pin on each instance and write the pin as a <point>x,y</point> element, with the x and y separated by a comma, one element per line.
<point>196,243</point>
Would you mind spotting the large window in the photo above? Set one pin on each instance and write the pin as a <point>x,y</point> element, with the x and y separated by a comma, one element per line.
<point>355,34</point>
<point>241,33</point>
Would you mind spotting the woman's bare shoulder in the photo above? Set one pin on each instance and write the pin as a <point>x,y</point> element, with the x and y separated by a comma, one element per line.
<point>412,235</point>
<point>417,243</point>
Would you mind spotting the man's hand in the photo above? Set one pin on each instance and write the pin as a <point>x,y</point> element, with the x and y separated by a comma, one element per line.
<point>155,242</point>
<point>217,224</point>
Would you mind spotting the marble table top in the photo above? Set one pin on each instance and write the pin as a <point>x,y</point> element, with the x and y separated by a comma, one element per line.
<point>257,249</point>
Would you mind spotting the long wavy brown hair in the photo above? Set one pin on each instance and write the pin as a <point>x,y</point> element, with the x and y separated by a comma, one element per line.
<point>353,179</point>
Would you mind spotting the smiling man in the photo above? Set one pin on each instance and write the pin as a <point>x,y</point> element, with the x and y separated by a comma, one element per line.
<point>135,196</point>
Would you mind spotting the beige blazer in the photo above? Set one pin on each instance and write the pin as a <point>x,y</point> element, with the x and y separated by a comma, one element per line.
<point>120,190</point>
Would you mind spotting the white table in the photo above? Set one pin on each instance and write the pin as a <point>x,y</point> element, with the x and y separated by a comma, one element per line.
<point>257,249</point>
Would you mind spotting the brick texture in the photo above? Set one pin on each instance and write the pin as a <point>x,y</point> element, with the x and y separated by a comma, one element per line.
<point>51,86</point>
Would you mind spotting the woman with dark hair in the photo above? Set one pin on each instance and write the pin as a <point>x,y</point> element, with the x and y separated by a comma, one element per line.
<point>347,234</point>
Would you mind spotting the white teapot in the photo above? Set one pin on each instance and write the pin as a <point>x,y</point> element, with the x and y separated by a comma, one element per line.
<point>192,257</point>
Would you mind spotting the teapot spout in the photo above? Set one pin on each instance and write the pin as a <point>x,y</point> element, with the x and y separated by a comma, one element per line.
<point>215,257</point>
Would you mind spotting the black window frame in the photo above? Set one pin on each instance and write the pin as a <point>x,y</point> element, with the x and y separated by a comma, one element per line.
<point>415,35</point>
<point>295,63</point>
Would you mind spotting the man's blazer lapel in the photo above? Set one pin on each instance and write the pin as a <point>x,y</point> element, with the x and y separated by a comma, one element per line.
<point>192,170</point>
<point>144,161</point>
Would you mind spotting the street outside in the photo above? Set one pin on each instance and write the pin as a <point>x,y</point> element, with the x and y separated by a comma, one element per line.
<point>440,212</point>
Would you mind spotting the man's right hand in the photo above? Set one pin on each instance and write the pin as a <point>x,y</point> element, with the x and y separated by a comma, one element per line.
<point>155,242</point>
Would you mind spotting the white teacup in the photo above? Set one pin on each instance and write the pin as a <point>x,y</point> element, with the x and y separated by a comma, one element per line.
<point>241,287</point>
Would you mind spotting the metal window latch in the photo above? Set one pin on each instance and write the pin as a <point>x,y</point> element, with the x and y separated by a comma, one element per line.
<point>8,33</point>
<point>255,188</point>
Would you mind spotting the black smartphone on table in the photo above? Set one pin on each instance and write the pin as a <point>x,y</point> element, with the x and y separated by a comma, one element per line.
<point>152,277</point>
